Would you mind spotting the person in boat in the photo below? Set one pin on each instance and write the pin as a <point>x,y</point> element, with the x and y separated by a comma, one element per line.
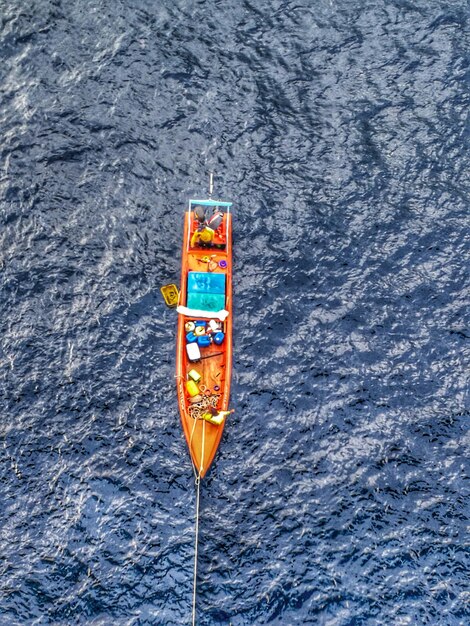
<point>214,416</point>
<point>214,221</point>
<point>203,236</point>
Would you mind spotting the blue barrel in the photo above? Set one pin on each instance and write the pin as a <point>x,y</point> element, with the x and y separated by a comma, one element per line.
<point>219,338</point>
<point>203,341</point>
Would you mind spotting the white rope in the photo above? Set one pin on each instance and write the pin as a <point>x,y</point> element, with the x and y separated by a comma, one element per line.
<point>198,485</point>
<point>191,448</point>
<point>197,480</point>
<point>203,448</point>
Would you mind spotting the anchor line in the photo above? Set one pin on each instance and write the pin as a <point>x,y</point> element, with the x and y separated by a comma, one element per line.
<point>196,538</point>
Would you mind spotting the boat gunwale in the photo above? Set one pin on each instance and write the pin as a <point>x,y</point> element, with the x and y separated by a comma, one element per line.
<point>186,419</point>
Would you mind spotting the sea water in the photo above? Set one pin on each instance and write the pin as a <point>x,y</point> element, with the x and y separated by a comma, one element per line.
<point>339,496</point>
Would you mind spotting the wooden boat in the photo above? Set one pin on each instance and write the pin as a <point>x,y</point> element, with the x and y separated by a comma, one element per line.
<point>204,342</point>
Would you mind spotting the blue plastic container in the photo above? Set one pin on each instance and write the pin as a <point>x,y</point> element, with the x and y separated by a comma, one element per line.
<point>203,341</point>
<point>191,338</point>
<point>219,338</point>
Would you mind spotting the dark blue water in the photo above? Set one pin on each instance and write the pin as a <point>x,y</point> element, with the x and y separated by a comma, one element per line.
<point>340,494</point>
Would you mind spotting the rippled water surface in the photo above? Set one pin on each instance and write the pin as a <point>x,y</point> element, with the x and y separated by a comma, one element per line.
<point>339,496</point>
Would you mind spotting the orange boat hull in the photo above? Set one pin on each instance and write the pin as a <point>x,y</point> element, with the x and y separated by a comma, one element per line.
<point>215,365</point>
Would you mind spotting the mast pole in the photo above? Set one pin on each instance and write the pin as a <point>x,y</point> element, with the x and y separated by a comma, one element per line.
<point>211,184</point>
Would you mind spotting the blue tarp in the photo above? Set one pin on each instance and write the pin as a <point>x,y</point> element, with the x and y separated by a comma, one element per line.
<point>206,291</point>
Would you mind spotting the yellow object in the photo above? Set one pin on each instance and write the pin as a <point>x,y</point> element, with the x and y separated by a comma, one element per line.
<point>192,388</point>
<point>194,375</point>
<point>206,235</point>
<point>170,294</point>
<point>199,331</point>
<point>216,419</point>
